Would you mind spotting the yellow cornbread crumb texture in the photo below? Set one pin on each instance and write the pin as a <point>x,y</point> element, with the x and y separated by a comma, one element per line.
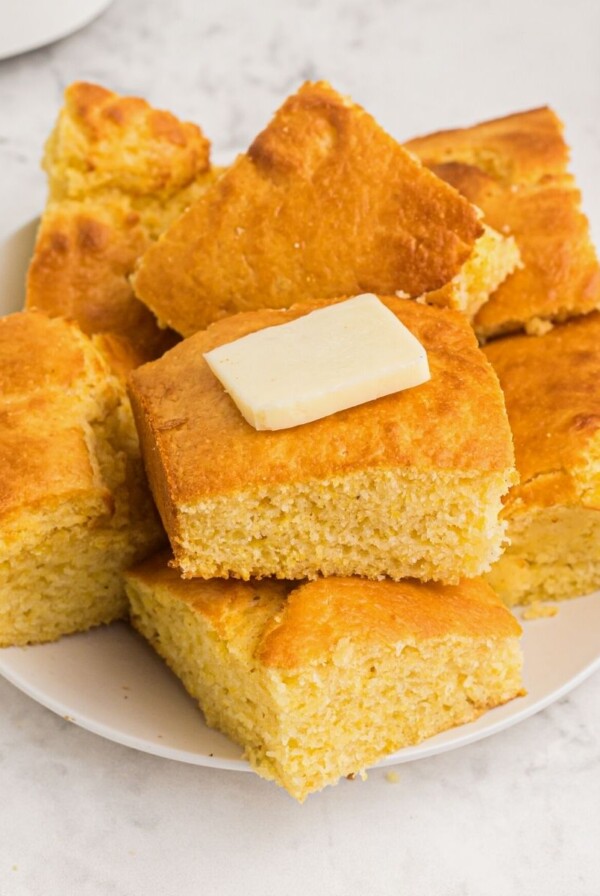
<point>539,610</point>
<point>312,699</point>
<point>76,510</point>
<point>410,484</point>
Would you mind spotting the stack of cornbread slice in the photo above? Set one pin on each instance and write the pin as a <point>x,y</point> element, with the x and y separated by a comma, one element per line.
<point>515,169</point>
<point>324,205</point>
<point>322,598</point>
<point>552,389</point>
<point>74,505</point>
<point>119,172</point>
<point>75,509</point>
<point>321,678</point>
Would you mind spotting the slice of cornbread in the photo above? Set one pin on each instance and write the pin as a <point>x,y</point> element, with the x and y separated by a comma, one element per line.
<point>323,204</point>
<point>515,170</point>
<point>323,679</point>
<point>552,389</point>
<point>119,173</point>
<point>407,485</point>
<point>75,509</point>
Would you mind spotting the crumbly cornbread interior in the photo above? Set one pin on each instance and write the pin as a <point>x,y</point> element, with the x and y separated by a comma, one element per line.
<point>75,511</point>
<point>515,169</point>
<point>493,259</point>
<point>552,555</point>
<point>551,386</point>
<point>432,525</point>
<point>410,484</point>
<point>322,680</point>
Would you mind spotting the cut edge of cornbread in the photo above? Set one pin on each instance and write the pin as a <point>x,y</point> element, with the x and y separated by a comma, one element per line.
<point>552,555</point>
<point>64,548</point>
<point>441,526</point>
<point>552,392</point>
<point>316,687</point>
<point>62,562</point>
<point>376,490</point>
<point>493,259</point>
<point>516,168</point>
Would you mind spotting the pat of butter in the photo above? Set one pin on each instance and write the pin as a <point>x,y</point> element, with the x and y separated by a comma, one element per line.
<point>326,361</point>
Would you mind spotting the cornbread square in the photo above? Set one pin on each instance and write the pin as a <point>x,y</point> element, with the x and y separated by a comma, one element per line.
<point>74,504</point>
<point>552,389</point>
<point>323,679</point>
<point>323,204</point>
<point>516,170</point>
<point>407,485</point>
<point>119,172</point>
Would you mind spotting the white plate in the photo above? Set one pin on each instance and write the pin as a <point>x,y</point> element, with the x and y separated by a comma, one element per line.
<point>112,683</point>
<point>29,24</point>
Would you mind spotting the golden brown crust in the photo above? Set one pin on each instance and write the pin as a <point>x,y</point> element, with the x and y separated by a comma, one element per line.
<point>83,258</point>
<point>44,448</point>
<point>552,388</point>
<point>319,614</point>
<point>196,443</point>
<point>303,624</point>
<point>323,204</point>
<point>519,148</point>
<point>119,172</point>
<point>45,472</point>
<point>515,170</point>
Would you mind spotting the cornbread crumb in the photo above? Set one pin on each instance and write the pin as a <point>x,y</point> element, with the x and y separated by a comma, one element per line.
<point>119,172</point>
<point>392,777</point>
<point>74,504</point>
<point>537,326</point>
<point>551,384</point>
<point>318,681</point>
<point>515,169</point>
<point>408,485</point>
<point>539,610</point>
<point>493,259</point>
<point>384,224</point>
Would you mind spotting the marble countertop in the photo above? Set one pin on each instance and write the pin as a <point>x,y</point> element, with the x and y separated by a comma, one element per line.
<point>517,813</point>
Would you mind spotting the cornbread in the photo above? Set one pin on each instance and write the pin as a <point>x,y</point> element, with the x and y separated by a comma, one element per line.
<point>74,505</point>
<point>552,389</point>
<point>119,172</point>
<point>323,204</point>
<point>407,485</point>
<point>516,170</point>
<point>323,679</point>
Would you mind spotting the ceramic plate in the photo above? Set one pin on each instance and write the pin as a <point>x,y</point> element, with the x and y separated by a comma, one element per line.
<point>110,681</point>
<point>34,23</point>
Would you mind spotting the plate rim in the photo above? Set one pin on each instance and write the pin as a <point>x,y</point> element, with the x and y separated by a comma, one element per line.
<point>56,33</point>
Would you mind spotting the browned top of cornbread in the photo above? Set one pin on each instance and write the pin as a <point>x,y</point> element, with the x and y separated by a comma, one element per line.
<point>83,256</point>
<point>552,388</point>
<point>196,443</point>
<point>316,616</point>
<point>515,170</point>
<point>119,172</point>
<point>46,368</point>
<point>323,204</point>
